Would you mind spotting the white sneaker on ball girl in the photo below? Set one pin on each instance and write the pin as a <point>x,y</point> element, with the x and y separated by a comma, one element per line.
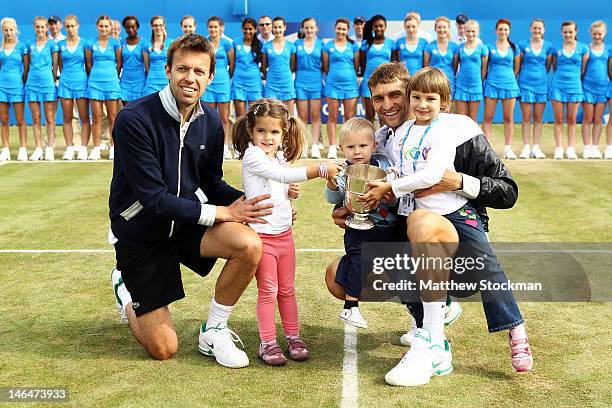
<point>266,139</point>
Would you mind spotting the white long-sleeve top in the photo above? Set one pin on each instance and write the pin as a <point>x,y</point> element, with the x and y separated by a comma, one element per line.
<point>437,153</point>
<point>265,175</point>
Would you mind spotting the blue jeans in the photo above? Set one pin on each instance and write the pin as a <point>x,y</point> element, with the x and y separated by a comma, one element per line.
<point>500,307</point>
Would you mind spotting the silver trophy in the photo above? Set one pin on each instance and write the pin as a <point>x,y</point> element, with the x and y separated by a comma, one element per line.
<point>356,178</point>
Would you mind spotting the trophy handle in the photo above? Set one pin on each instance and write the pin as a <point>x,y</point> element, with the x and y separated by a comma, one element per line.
<point>393,173</point>
<point>344,166</point>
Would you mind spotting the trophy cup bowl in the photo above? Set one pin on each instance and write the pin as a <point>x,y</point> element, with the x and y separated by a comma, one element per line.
<point>357,177</point>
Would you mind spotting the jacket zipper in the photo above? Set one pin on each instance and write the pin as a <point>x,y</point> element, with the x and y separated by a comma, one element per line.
<point>180,154</point>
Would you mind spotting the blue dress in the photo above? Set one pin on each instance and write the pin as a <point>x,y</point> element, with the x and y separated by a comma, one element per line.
<point>595,82</point>
<point>103,83</point>
<point>566,85</point>
<point>501,81</point>
<point>246,83</point>
<point>40,86</point>
<point>279,79</point>
<point>219,89</point>
<point>376,54</point>
<point>133,75</point>
<point>341,81</point>
<point>11,74</point>
<point>411,57</point>
<point>156,78</point>
<point>444,62</point>
<point>308,77</point>
<point>468,86</point>
<point>533,78</point>
<point>73,78</point>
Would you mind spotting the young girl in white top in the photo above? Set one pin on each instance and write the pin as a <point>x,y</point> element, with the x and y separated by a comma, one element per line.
<point>266,138</point>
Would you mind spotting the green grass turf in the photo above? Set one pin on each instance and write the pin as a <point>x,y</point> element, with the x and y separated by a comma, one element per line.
<point>60,327</point>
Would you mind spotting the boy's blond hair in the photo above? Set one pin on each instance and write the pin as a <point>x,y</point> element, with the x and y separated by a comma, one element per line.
<point>356,125</point>
<point>431,80</point>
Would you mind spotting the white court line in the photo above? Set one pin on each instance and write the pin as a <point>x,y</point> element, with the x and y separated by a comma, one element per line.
<point>315,250</point>
<point>350,385</point>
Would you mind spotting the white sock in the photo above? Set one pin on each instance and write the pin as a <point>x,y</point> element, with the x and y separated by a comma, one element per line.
<point>518,332</point>
<point>218,314</point>
<point>507,147</point>
<point>433,320</point>
<point>124,295</point>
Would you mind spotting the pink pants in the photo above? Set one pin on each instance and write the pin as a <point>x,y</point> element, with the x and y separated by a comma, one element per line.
<point>276,282</point>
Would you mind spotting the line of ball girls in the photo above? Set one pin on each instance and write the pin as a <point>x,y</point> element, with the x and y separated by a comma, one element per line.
<point>106,71</point>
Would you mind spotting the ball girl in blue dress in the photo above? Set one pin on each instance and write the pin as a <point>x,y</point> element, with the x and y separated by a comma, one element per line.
<point>278,64</point>
<point>340,60</point>
<point>40,87</point>
<point>608,152</point>
<point>135,59</point>
<point>470,67</point>
<point>14,65</point>
<point>595,89</point>
<point>536,59</point>
<point>217,94</point>
<point>409,48</point>
<point>157,50</point>
<point>440,52</point>
<point>103,63</point>
<point>72,87</point>
<point>569,64</point>
<point>375,50</point>
<point>246,79</point>
<point>504,60</point>
<point>309,80</point>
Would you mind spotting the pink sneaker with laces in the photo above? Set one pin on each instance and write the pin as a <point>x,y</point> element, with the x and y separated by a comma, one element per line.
<point>271,354</point>
<point>298,351</point>
<point>522,359</point>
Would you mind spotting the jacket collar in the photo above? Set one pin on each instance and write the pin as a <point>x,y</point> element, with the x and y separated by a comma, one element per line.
<point>169,104</point>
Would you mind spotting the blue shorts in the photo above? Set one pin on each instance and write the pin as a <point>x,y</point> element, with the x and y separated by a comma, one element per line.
<point>594,95</point>
<point>46,94</point>
<point>12,96</point>
<point>464,96</point>
<point>304,94</point>
<point>495,92</point>
<point>559,95</point>
<point>529,96</point>
<point>250,93</point>
<point>68,92</point>
<point>211,96</point>
<point>340,93</point>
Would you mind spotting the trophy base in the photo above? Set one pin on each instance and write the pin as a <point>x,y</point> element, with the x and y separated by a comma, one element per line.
<point>359,223</point>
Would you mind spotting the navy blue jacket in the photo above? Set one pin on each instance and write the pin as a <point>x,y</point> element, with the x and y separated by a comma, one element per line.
<point>147,201</point>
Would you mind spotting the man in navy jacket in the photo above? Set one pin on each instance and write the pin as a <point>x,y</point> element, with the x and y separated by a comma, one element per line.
<point>170,206</point>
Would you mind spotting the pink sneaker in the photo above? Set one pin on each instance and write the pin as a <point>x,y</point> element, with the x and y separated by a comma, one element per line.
<point>298,351</point>
<point>271,354</point>
<point>522,360</point>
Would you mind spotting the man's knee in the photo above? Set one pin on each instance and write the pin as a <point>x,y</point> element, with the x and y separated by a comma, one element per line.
<point>163,348</point>
<point>422,226</point>
<point>248,247</point>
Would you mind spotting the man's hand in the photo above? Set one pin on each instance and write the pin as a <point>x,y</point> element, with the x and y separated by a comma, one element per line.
<point>339,215</point>
<point>294,191</point>
<point>389,198</point>
<point>243,210</point>
<point>451,181</point>
<point>293,215</point>
<point>377,190</point>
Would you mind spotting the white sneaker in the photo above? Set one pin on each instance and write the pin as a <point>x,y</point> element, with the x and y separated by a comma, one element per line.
<point>5,154</point>
<point>558,153</point>
<point>82,153</point>
<point>407,338</point>
<point>103,146</point>
<point>452,312</point>
<point>526,152</point>
<point>332,153</point>
<point>49,154</point>
<point>571,153</point>
<point>117,281</point>
<point>94,154</point>
<point>353,317</point>
<point>220,342</point>
<point>22,155</point>
<point>69,153</point>
<point>321,146</point>
<point>315,152</point>
<point>509,154</point>
<point>111,153</point>
<point>608,153</point>
<point>537,153</point>
<point>421,362</point>
<point>586,152</point>
<point>595,152</point>
<point>37,155</point>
